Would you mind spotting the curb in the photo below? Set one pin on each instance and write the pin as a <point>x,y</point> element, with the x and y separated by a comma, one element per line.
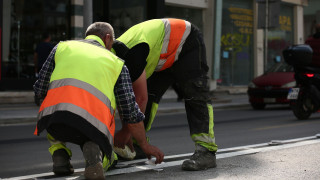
<point>16,97</point>
<point>19,120</point>
<point>11,121</point>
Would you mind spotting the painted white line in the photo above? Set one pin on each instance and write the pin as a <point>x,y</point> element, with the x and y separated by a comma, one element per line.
<point>144,168</point>
<point>31,176</point>
<point>219,156</point>
<point>237,151</point>
<point>126,163</point>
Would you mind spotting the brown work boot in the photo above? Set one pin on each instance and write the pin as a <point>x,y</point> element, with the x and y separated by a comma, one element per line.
<point>201,159</point>
<point>61,163</point>
<point>93,156</point>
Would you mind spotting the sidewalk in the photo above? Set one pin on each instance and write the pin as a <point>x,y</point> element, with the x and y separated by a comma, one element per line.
<point>13,112</point>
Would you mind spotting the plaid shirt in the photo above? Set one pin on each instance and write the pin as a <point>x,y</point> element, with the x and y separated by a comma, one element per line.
<point>127,107</point>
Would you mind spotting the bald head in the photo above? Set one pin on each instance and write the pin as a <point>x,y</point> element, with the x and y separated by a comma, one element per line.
<point>103,30</point>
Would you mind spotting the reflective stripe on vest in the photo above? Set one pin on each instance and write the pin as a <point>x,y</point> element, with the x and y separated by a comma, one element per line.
<point>64,96</point>
<point>176,33</point>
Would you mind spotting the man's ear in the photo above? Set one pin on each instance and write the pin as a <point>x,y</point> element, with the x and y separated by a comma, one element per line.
<point>107,41</point>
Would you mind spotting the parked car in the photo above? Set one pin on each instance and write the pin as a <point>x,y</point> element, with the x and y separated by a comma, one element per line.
<point>272,87</point>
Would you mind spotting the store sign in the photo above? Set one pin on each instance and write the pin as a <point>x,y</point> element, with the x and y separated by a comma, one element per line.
<point>242,19</point>
<point>285,23</point>
<point>241,34</point>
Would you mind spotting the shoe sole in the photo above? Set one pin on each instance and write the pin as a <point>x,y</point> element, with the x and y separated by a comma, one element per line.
<point>94,172</point>
<point>94,169</point>
<point>189,166</point>
<point>61,163</point>
<point>91,153</point>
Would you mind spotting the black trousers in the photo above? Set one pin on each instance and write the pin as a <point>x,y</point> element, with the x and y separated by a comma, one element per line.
<point>190,72</point>
<point>69,127</point>
<point>66,133</point>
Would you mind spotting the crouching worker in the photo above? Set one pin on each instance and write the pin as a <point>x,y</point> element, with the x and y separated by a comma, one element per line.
<point>81,83</point>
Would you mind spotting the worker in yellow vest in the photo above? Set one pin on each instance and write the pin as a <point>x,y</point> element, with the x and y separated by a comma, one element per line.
<point>81,82</point>
<point>160,52</point>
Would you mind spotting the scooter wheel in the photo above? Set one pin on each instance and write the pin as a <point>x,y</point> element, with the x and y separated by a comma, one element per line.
<point>300,110</point>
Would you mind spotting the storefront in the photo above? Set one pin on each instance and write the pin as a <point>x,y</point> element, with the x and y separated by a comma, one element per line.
<point>24,22</point>
<point>282,36</point>
<point>233,41</point>
<point>237,40</point>
<point>311,17</point>
<point>236,64</point>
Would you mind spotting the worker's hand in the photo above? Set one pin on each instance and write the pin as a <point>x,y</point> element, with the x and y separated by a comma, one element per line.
<point>122,138</point>
<point>150,150</point>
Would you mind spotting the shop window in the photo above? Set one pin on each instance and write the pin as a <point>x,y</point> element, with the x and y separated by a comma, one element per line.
<point>27,20</point>
<point>190,14</point>
<point>236,43</point>
<point>282,36</point>
<point>126,13</point>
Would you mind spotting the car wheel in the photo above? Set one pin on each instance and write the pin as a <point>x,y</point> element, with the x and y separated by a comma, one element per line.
<point>258,106</point>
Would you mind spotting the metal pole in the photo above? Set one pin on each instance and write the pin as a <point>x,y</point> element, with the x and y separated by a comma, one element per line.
<point>217,37</point>
<point>266,37</point>
<point>87,14</point>
<point>18,48</point>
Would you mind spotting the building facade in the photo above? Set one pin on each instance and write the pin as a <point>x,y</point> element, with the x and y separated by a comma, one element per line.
<point>239,45</point>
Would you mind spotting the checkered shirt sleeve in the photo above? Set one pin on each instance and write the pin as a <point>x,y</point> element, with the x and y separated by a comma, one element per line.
<point>126,102</point>
<point>42,84</point>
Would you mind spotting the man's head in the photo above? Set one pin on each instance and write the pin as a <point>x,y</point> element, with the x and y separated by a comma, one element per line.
<point>318,28</point>
<point>46,37</point>
<point>104,31</point>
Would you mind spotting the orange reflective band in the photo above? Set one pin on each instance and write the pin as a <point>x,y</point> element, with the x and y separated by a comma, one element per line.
<point>178,28</point>
<point>36,131</point>
<point>83,99</point>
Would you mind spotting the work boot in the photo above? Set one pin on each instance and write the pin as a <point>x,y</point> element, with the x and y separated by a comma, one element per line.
<point>61,163</point>
<point>200,160</point>
<point>93,156</point>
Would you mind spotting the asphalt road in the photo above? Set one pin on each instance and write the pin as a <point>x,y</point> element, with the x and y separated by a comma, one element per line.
<point>21,153</point>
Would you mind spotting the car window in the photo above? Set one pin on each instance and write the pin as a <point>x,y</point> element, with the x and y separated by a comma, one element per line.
<point>280,67</point>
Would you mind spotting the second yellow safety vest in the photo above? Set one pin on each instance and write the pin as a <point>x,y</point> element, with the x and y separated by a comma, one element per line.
<point>165,38</point>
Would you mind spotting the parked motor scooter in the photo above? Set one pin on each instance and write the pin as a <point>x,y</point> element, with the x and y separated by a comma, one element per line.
<point>305,96</point>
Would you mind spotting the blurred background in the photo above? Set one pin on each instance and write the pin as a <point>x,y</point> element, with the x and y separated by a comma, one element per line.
<point>240,44</point>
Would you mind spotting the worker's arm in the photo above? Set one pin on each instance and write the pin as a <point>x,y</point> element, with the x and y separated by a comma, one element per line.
<point>42,84</point>
<point>135,60</point>
<point>132,118</point>
<point>140,91</point>
<point>138,133</point>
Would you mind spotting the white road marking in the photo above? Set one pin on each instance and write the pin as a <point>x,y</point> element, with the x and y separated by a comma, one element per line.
<point>223,153</point>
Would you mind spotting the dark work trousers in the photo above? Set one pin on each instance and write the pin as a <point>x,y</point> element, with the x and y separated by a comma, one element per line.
<point>65,133</point>
<point>60,127</point>
<point>190,72</point>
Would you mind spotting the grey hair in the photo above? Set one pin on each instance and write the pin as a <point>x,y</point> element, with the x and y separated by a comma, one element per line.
<point>100,29</point>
